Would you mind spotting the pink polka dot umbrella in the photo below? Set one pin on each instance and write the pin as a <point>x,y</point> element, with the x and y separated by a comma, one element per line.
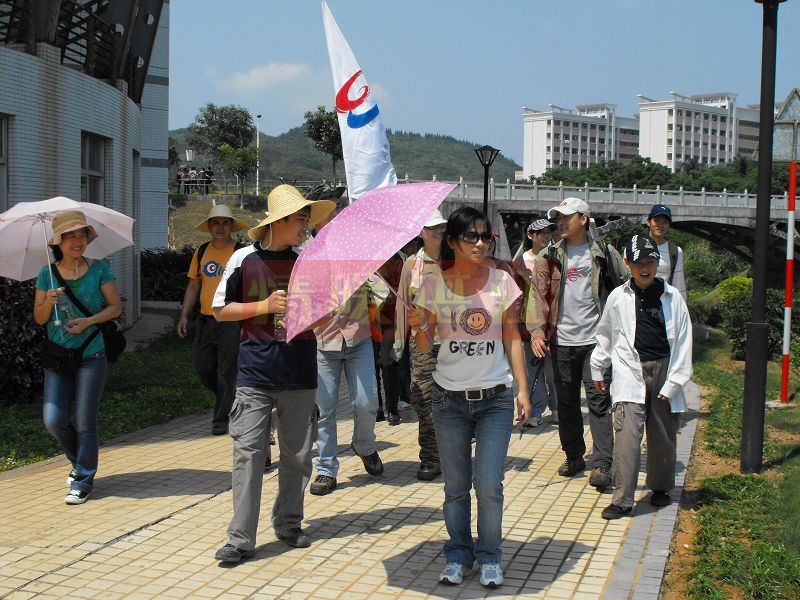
<point>354,245</point>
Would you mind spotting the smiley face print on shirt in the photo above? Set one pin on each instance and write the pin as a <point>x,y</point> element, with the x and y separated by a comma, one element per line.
<point>475,321</point>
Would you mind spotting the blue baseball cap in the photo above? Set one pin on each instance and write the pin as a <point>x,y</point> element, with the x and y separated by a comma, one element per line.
<point>660,209</point>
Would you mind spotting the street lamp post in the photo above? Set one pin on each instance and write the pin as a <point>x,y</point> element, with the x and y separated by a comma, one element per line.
<point>755,370</point>
<point>486,154</point>
<point>258,153</point>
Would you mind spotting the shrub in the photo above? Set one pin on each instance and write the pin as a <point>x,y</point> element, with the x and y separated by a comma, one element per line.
<point>736,300</point>
<point>704,309</point>
<point>20,369</point>
<point>164,273</point>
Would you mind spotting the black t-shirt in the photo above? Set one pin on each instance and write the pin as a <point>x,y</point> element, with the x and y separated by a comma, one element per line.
<point>651,334</point>
<point>252,274</point>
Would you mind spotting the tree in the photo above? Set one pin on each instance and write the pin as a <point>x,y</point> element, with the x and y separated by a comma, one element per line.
<point>323,127</point>
<point>215,126</point>
<point>172,154</point>
<point>241,162</point>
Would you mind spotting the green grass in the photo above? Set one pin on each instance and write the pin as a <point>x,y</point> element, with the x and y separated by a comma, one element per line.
<point>145,387</point>
<point>748,540</point>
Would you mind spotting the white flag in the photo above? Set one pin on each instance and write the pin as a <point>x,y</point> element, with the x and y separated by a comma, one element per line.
<point>364,145</point>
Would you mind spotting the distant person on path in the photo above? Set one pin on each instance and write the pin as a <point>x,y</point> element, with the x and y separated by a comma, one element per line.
<point>670,266</point>
<point>344,342</point>
<point>272,373</point>
<point>92,283</point>
<point>540,370</point>
<point>645,334</point>
<point>474,311</point>
<point>571,281</point>
<point>216,344</point>
<point>417,269</point>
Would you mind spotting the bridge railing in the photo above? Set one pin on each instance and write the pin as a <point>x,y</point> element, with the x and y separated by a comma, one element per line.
<point>473,191</point>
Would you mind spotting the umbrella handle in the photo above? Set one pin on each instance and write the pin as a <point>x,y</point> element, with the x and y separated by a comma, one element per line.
<point>50,270</point>
<point>394,291</point>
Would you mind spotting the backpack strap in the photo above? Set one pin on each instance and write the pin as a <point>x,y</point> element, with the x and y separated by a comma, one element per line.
<point>200,251</point>
<point>673,260</point>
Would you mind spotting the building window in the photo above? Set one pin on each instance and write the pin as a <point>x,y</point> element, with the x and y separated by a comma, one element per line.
<point>548,135</point>
<point>574,138</point>
<point>705,130</point>
<point>705,116</point>
<point>669,141</point>
<point>583,125</point>
<point>721,119</point>
<point>557,136</point>
<point>669,155</point>
<point>548,162</point>
<point>3,163</point>
<point>593,126</point>
<point>601,141</point>
<point>92,168</point>
<point>549,121</point>
<point>714,118</point>
<point>669,112</point>
<point>592,139</point>
<point>680,113</point>
<point>547,148</point>
<point>669,126</point>
<point>574,163</point>
<point>558,122</point>
<point>567,124</point>
<point>602,127</point>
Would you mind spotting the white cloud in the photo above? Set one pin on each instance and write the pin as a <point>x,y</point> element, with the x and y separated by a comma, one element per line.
<point>263,77</point>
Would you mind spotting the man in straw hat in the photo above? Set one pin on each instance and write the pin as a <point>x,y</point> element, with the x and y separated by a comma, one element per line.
<point>272,373</point>
<point>216,345</point>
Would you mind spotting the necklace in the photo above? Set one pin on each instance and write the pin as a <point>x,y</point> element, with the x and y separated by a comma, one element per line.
<point>75,265</point>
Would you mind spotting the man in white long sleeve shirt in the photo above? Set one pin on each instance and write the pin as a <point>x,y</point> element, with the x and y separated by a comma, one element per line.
<point>670,265</point>
<point>645,334</point>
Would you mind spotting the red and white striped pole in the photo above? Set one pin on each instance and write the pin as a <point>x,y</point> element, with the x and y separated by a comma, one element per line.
<point>787,310</point>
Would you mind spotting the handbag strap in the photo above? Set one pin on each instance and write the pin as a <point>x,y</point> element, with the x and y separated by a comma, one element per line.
<point>71,294</point>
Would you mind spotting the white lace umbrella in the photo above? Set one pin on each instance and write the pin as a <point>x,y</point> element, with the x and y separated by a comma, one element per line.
<point>27,227</point>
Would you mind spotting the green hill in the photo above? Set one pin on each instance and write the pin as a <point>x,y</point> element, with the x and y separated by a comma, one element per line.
<point>292,155</point>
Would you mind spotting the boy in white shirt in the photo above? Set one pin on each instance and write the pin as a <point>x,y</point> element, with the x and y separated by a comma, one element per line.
<point>645,334</point>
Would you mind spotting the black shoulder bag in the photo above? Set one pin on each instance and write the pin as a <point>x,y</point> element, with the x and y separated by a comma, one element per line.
<point>113,339</point>
<point>63,360</point>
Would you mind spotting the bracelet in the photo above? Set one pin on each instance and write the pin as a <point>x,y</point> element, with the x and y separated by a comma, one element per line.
<point>424,326</point>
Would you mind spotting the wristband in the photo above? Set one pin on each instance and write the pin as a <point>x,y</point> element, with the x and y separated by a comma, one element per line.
<point>424,326</point>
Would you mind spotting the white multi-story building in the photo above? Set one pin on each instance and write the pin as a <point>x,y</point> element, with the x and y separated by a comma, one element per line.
<point>83,114</point>
<point>593,133</point>
<point>708,129</point>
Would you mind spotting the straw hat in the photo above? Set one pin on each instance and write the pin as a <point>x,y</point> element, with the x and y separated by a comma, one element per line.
<point>221,210</point>
<point>286,200</point>
<point>70,220</point>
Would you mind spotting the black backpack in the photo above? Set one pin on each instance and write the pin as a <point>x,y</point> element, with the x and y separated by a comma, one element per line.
<point>202,250</point>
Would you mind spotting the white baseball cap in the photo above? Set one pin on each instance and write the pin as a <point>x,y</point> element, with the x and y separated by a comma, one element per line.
<point>569,206</point>
<point>435,219</point>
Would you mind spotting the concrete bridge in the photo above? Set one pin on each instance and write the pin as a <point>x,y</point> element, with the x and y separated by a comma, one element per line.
<point>723,218</point>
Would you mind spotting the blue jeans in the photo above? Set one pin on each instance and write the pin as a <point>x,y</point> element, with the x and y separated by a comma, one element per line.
<point>359,368</point>
<point>81,390</point>
<point>455,420</point>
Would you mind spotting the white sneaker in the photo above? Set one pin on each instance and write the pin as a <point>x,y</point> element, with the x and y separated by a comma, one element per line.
<point>76,497</point>
<point>454,573</point>
<point>535,421</point>
<point>491,576</point>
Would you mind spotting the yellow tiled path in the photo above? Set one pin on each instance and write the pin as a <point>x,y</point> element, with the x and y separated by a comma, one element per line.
<point>162,503</point>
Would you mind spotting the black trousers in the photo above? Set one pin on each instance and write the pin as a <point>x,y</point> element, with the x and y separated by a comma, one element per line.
<point>570,369</point>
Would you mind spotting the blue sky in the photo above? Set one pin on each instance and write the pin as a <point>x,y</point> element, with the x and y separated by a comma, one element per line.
<point>466,67</point>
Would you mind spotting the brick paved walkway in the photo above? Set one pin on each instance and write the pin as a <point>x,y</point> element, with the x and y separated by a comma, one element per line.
<point>162,503</point>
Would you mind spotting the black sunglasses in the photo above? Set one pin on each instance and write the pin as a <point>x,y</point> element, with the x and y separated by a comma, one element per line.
<point>472,237</point>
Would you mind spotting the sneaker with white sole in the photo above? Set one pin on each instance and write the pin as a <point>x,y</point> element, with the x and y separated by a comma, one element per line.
<point>535,421</point>
<point>454,573</point>
<point>491,576</point>
<point>76,497</point>
<point>71,477</point>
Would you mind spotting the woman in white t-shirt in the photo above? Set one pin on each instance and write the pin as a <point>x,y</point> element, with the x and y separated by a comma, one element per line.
<point>474,310</point>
